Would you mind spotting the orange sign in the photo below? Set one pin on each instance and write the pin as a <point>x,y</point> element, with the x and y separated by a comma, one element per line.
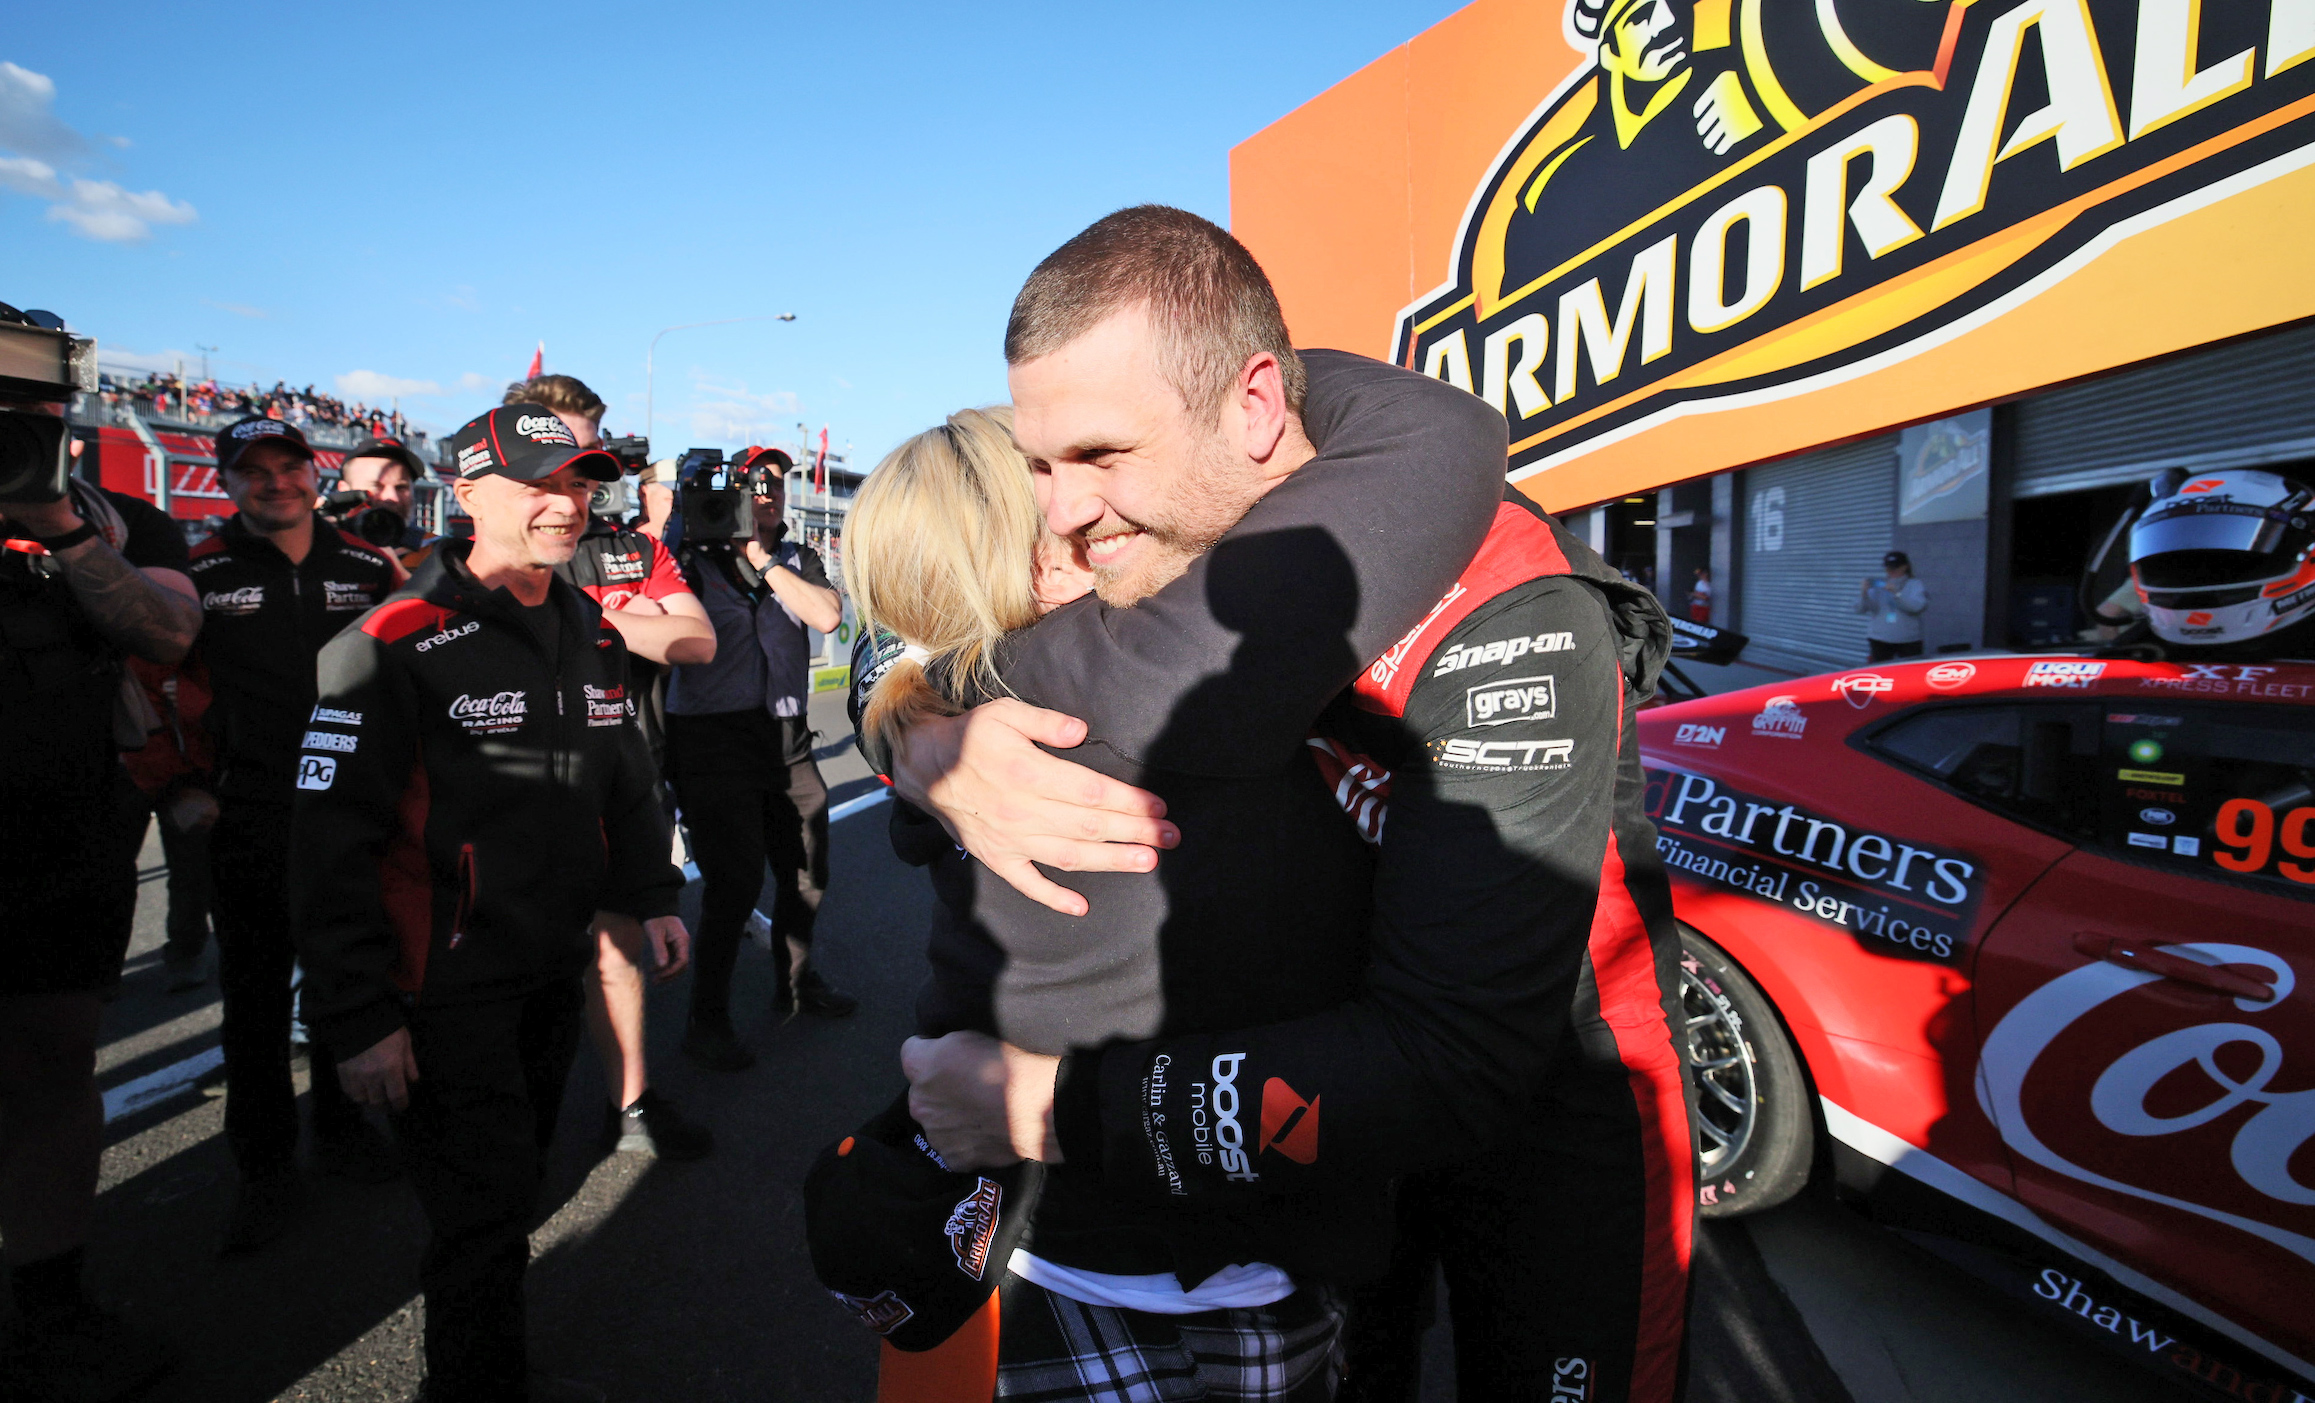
<point>1679,236</point>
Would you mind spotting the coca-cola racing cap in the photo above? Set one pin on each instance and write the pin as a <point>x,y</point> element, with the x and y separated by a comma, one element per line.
<point>909,1245</point>
<point>526,442</point>
<point>235,438</point>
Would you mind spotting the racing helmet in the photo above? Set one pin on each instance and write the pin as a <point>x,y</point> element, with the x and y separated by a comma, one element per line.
<point>2225,557</point>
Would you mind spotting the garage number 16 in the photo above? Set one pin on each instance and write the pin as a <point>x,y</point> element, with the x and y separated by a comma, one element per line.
<point>2248,830</point>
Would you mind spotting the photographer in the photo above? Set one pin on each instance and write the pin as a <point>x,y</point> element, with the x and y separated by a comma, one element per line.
<point>278,582</point>
<point>739,746</point>
<point>87,578</point>
<point>661,622</point>
<point>385,473</point>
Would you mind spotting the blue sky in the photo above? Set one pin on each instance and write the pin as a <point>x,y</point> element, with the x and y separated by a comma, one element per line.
<point>357,195</point>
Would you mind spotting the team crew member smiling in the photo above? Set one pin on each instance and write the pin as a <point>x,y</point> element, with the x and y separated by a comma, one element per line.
<point>476,797</point>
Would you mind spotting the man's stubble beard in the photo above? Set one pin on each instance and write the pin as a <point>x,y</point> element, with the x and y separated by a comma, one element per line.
<point>1213,491</point>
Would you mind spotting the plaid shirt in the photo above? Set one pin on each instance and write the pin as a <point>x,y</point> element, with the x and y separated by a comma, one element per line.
<point>1055,1350</point>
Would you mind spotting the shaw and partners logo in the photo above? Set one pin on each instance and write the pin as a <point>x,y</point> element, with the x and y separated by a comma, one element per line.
<point>1892,894</point>
<point>1754,197</point>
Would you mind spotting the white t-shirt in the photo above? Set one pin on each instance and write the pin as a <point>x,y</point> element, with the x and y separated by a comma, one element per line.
<point>1239,1287</point>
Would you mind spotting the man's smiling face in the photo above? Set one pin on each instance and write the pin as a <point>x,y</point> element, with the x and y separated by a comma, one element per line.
<point>1143,482</point>
<point>529,525</point>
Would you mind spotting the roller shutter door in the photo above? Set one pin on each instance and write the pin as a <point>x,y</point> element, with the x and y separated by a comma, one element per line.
<point>2242,405</point>
<point>1815,526</point>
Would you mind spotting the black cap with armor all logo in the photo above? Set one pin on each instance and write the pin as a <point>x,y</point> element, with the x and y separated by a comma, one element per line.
<point>526,442</point>
<point>910,1246</point>
<point>235,438</point>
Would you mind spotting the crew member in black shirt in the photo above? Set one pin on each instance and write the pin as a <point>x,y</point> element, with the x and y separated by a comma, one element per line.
<point>277,582</point>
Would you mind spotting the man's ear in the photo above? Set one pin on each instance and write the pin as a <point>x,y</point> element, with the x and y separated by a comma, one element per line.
<point>463,489</point>
<point>1258,405</point>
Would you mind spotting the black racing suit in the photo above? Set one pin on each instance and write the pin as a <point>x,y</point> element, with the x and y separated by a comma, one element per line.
<point>264,623</point>
<point>1513,1021</point>
<point>473,789</point>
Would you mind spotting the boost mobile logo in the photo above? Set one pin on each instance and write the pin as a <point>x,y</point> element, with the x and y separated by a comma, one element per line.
<point>1714,176</point>
<point>1227,1132</point>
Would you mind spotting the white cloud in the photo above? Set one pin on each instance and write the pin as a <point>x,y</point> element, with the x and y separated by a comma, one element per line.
<point>27,122</point>
<point>474,380</point>
<point>256,314</point>
<point>120,358</point>
<point>734,414</point>
<point>370,386</point>
<point>96,209</point>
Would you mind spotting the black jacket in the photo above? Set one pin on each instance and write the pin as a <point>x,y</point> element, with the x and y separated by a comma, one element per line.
<point>466,803</point>
<point>263,624</point>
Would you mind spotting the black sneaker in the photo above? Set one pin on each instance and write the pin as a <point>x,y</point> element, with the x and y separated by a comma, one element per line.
<point>263,1208</point>
<point>713,1045</point>
<point>653,1126</point>
<point>356,1151</point>
<point>89,1355</point>
<point>815,996</point>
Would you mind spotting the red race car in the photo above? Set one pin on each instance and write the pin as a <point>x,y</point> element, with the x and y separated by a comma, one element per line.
<point>2022,950</point>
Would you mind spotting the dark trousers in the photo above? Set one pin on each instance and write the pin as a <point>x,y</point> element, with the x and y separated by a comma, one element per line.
<point>481,1114</point>
<point>187,855</point>
<point>751,796</point>
<point>1880,652</point>
<point>249,860</point>
<point>1564,1245</point>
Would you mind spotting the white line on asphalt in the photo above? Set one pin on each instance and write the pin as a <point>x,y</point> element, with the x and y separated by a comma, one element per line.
<point>866,801</point>
<point>155,1087</point>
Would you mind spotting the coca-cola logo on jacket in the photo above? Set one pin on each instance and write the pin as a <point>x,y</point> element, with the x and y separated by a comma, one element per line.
<point>491,715</point>
<point>2208,1118</point>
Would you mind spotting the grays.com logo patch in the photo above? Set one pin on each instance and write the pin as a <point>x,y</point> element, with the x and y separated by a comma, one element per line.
<point>1513,699</point>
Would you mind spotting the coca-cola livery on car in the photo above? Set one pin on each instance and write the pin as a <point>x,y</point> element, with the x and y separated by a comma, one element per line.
<point>2032,937</point>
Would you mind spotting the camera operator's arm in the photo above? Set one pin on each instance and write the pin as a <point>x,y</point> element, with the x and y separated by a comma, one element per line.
<point>804,589</point>
<point>152,613</point>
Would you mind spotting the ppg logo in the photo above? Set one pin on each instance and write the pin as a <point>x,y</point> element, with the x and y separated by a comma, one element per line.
<point>316,771</point>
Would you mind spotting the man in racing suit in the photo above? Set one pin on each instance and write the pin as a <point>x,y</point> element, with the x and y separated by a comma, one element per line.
<point>1522,952</point>
<point>277,583</point>
<point>473,800</point>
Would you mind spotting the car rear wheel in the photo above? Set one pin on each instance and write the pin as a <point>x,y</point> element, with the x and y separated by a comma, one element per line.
<point>1754,1132</point>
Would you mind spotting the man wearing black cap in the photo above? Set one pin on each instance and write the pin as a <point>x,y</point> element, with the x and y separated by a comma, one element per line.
<point>473,797</point>
<point>385,471</point>
<point>278,583</point>
<point>1896,601</point>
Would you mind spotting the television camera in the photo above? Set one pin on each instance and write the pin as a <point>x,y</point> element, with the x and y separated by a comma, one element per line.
<point>42,366</point>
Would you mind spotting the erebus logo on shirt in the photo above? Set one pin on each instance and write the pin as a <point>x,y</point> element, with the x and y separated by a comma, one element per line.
<point>246,600</point>
<point>1516,699</point>
<point>448,635</point>
<point>491,715</point>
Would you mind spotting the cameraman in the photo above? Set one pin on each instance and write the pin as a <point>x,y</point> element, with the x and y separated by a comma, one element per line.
<point>84,582</point>
<point>385,471</point>
<point>661,622</point>
<point>739,747</point>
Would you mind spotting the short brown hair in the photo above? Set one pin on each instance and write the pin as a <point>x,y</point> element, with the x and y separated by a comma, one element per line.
<point>564,394</point>
<point>1209,302</point>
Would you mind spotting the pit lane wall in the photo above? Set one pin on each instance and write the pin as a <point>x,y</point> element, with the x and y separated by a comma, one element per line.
<point>1673,237</point>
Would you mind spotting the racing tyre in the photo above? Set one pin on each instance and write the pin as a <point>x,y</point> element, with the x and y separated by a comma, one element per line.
<point>1755,1135</point>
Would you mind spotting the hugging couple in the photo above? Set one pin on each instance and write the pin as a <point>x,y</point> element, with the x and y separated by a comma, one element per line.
<point>1299,931</point>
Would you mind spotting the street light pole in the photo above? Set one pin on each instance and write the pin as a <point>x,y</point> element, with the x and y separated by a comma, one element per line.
<point>650,403</point>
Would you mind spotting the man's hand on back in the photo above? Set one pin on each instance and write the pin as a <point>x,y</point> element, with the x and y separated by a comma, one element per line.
<point>982,1103</point>
<point>1012,805</point>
